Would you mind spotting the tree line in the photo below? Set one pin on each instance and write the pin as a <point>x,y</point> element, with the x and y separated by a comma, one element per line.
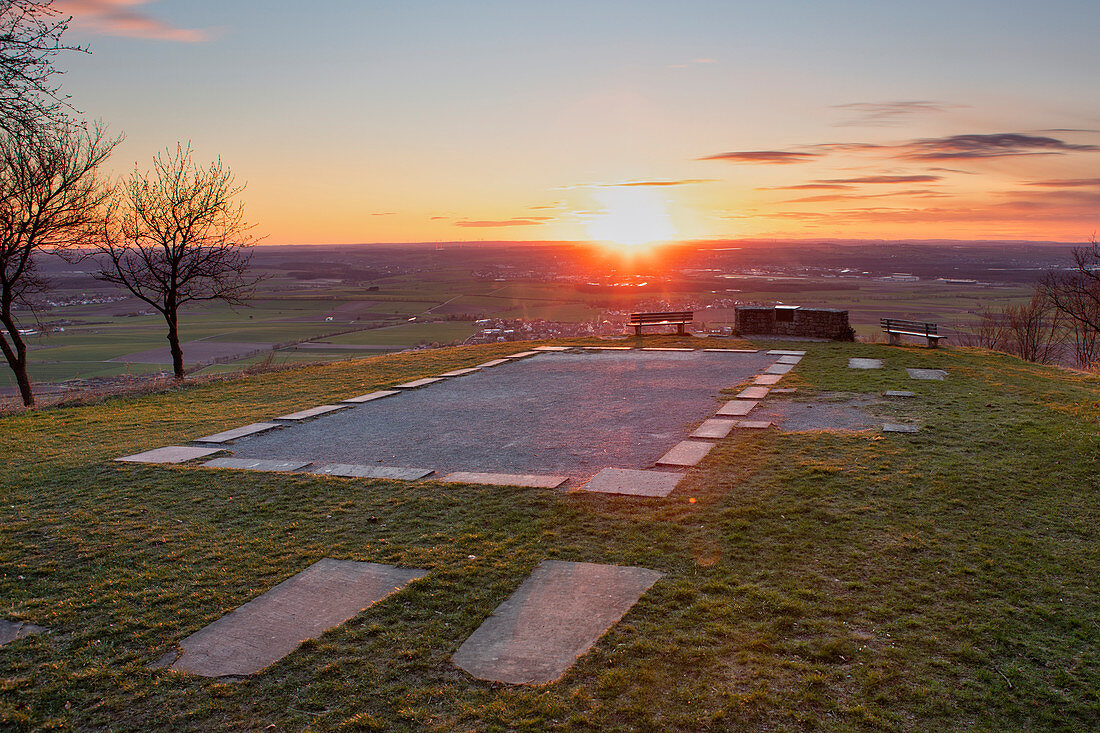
<point>170,235</point>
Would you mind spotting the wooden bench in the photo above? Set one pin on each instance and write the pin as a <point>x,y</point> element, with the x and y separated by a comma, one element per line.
<point>669,318</point>
<point>897,328</point>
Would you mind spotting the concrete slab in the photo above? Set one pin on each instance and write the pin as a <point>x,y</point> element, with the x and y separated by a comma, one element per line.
<point>767,379</point>
<point>242,432</point>
<point>610,348</point>
<point>12,630</point>
<point>460,372</point>
<point>169,454</point>
<point>418,383</point>
<point>632,482</point>
<point>754,424</point>
<point>784,352</point>
<point>685,453</point>
<point>785,390</point>
<point>505,479</point>
<point>734,351</point>
<point>714,429</point>
<point>559,612</point>
<point>256,464</point>
<point>371,396</point>
<point>779,368</point>
<point>350,470</point>
<point>788,359</point>
<point>312,412</point>
<point>521,355</point>
<point>665,348</point>
<point>865,363</point>
<point>493,363</point>
<point>900,393</point>
<point>895,428</point>
<point>267,628</point>
<point>926,373</point>
<point>753,393</point>
<point>553,348</point>
<point>737,408</point>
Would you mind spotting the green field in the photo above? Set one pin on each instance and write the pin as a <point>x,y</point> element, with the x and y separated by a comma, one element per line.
<point>813,581</point>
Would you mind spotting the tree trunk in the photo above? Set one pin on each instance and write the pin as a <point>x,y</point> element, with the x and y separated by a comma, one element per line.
<point>174,345</point>
<point>16,354</point>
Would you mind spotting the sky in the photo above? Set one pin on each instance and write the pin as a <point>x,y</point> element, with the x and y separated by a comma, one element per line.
<point>625,121</point>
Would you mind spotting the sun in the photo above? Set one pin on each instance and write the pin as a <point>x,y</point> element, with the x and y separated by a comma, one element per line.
<point>631,217</point>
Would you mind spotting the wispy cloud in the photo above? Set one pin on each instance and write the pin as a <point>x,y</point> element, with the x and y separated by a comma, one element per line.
<point>887,114</point>
<point>127,18</point>
<point>998,145</point>
<point>384,213</point>
<point>681,182</point>
<point>883,179</point>
<point>518,222</point>
<point>923,193</point>
<point>1068,183</point>
<point>771,157</point>
<point>807,187</point>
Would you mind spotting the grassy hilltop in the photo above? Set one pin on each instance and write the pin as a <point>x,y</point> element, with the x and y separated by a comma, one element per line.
<point>838,581</point>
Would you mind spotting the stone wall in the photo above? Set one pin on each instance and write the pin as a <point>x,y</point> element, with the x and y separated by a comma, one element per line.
<point>826,323</point>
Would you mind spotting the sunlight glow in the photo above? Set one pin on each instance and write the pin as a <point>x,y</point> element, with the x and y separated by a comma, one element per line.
<point>631,217</point>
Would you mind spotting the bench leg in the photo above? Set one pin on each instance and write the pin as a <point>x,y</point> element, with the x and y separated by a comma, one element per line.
<point>895,339</point>
<point>637,330</point>
<point>933,343</point>
<point>680,329</point>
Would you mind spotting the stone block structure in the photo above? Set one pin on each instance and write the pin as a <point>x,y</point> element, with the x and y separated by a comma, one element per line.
<point>788,320</point>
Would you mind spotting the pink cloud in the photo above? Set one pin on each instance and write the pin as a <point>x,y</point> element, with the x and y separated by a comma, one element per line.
<point>126,18</point>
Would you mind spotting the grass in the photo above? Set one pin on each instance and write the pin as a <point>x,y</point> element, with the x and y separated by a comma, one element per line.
<point>836,581</point>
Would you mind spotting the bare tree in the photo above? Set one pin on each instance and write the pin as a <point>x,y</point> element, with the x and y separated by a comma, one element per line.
<point>1034,330</point>
<point>1075,293</point>
<point>175,235</point>
<point>51,198</point>
<point>30,36</point>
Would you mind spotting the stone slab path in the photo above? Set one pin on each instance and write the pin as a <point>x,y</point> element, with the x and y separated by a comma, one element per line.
<point>767,379</point>
<point>350,470</point>
<point>418,383</point>
<point>12,630</point>
<point>714,429</point>
<point>900,393</point>
<point>242,432</point>
<point>633,482</point>
<point>505,479</point>
<point>312,412</point>
<point>267,628</point>
<point>783,352</point>
<point>256,464</point>
<point>734,351</point>
<point>666,348</point>
<point>170,454</point>
<point>753,393</point>
<point>737,408</point>
<point>926,373</point>
<point>553,348</point>
<point>779,368</point>
<point>559,612</point>
<point>493,363</point>
<point>372,396</point>
<point>685,453</point>
<point>897,428</point>
<point>754,424</point>
<point>788,359</point>
<point>460,372</point>
<point>522,355</point>
<point>865,363</point>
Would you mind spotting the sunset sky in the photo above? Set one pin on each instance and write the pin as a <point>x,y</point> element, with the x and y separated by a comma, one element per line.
<point>418,120</point>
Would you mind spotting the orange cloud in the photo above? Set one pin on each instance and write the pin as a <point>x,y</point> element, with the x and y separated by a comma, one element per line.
<point>125,18</point>
<point>527,221</point>
<point>773,157</point>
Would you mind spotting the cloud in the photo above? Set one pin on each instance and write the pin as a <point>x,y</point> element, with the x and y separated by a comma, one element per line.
<point>126,18</point>
<point>1068,183</point>
<point>436,218</point>
<point>960,147</point>
<point>884,179</point>
<point>682,182</point>
<point>885,114</point>
<point>771,157</point>
<point>384,213</point>
<point>923,193</point>
<point>806,187</point>
<point>520,222</point>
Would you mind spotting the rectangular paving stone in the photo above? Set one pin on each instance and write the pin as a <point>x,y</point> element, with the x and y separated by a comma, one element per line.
<point>685,453</point>
<point>371,396</point>
<point>895,428</point>
<point>556,615</point>
<point>786,390</point>
<point>737,408</point>
<point>767,379</point>
<point>493,363</point>
<point>753,393</point>
<point>754,424</point>
<point>267,628</point>
<point>926,373</point>
<point>783,352</point>
<point>521,355</point>
<point>12,630</point>
<point>418,383</point>
<point>460,372</point>
<point>312,412</point>
<point>169,454</point>
<point>779,368</point>
<point>632,482</point>
<point>505,479</point>
<point>865,363</point>
<point>350,470</point>
<point>735,351</point>
<point>788,359</point>
<point>900,393</point>
<point>256,464</point>
<point>610,348</point>
<point>553,348</point>
<point>714,429</point>
<point>227,435</point>
<point>665,348</point>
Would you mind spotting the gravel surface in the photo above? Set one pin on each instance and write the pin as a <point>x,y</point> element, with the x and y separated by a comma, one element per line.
<point>570,413</point>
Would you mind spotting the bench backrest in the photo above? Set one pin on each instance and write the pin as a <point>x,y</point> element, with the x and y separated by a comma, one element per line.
<point>665,317</point>
<point>898,324</point>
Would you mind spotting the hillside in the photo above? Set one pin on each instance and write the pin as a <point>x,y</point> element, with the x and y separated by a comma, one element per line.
<point>812,580</point>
